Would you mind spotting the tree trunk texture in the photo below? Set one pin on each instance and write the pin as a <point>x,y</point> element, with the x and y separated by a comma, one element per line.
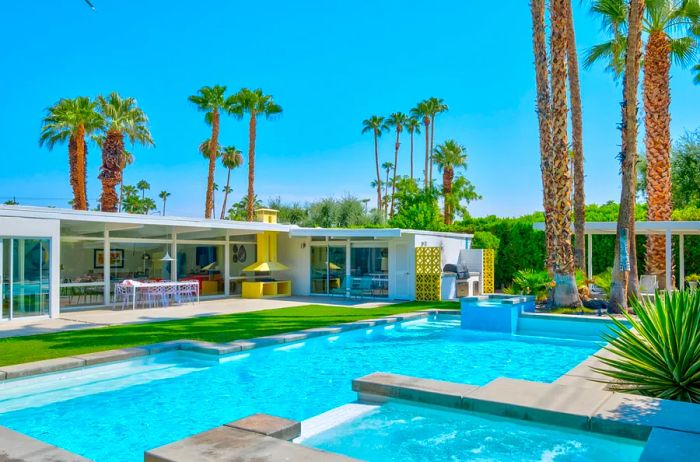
<point>426,123</point>
<point>396,161</point>
<point>577,142</point>
<point>110,171</point>
<point>80,200</point>
<point>624,284</point>
<point>565,291</point>
<point>252,129</point>
<point>164,200</point>
<point>226,190</point>
<point>379,175</point>
<point>73,169</point>
<point>411,154</point>
<point>447,176</point>
<point>545,127</point>
<point>657,100</point>
<point>213,148</point>
<point>432,148</point>
<point>386,195</point>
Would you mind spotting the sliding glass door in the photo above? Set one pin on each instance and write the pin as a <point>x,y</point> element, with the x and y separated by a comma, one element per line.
<point>328,269</point>
<point>25,277</point>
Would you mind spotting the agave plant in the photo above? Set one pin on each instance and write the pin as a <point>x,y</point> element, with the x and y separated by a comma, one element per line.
<point>658,353</point>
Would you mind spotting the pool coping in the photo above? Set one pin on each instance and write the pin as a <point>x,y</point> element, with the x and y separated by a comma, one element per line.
<point>660,423</point>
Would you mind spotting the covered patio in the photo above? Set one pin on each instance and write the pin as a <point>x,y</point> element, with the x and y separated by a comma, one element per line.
<point>645,228</point>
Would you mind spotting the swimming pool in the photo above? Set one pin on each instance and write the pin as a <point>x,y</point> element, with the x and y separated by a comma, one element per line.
<point>407,432</point>
<point>115,412</point>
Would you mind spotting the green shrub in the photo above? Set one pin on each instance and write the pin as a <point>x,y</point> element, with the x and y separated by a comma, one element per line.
<point>531,282</point>
<point>485,240</point>
<point>658,354</point>
<point>604,280</point>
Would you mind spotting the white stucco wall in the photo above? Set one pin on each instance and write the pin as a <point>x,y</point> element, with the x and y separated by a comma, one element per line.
<point>48,229</point>
<point>295,252</point>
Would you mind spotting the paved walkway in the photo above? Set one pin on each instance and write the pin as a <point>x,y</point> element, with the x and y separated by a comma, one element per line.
<point>73,320</point>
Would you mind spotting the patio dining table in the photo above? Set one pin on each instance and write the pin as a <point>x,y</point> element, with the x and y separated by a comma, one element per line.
<point>160,284</point>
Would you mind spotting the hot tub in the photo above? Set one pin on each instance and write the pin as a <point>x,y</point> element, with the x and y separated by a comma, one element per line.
<point>495,313</point>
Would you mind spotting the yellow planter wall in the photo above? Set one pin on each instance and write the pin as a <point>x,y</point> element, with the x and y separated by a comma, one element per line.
<point>428,273</point>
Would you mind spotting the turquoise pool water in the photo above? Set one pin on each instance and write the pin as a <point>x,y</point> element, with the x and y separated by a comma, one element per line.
<point>398,431</point>
<point>116,412</point>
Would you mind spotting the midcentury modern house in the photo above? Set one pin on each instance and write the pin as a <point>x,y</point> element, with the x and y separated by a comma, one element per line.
<point>57,259</point>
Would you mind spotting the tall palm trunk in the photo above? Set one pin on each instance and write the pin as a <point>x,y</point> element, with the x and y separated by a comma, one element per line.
<point>213,147</point>
<point>622,285</point>
<point>545,125</point>
<point>110,172</point>
<point>577,141</point>
<point>657,100</point>
<point>80,200</point>
<point>379,175</point>
<point>565,290</point>
<point>252,128</point>
<point>73,168</point>
<point>226,190</point>
<point>164,200</point>
<point>386,194</point>
<point>447,177</point>
<point>411,133</point>
<point>426,123</point>
<point>396,161</point>
<point>432,145</point>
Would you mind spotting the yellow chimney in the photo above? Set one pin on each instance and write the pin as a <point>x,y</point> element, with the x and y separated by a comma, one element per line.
<point>266,258</point>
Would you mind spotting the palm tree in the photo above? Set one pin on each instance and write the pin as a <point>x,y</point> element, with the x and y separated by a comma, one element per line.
<point>396,120</point>
<point>423,111</point>
<point>123,118</point>
<point>204,150</point>
<point>213,201</point>
<point>375,125</point>
<point>565,290</point>
<point>211,101</point>
<point>622,285</point>
<point>539,40</point>
<point>142,186</point>
<point>387,166</point>
<point>127,159</point>
<point>669,26</point>
<point>449,156</point>
<point>164,195</point>
<point>230,158</point>
<point>71,120</point>
<point>577,142</point>
<point>413,126</point>
<point>437,106</point>
<point>253,102</point>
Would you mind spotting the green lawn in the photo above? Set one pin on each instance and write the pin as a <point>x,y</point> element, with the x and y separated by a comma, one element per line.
<point>212,328</point>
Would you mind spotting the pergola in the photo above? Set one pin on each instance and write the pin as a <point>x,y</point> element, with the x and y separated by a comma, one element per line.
<point>667,228</point>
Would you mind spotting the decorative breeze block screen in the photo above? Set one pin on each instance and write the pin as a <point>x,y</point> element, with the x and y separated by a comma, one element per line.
<point>428,273</point>
<point>488,283</point>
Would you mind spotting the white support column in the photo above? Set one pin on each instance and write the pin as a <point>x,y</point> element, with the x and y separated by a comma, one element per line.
<point>107,268</point>
<point>348,269</point>
<point>669,260</point>
<point>227,266</point>
<point>589,266</point>
<point>173,254</point>
<point>681,261</point>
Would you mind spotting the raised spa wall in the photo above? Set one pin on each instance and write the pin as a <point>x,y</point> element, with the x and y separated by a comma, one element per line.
<point>516,315</point>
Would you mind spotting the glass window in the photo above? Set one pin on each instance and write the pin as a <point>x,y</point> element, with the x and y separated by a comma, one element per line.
<point>25,277</point>
<point>204,263</point>
<point>369,268</point>
<point>82,273</point>
<point>328,270</point>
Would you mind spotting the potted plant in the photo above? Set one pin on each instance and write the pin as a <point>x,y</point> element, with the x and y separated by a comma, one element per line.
<point>693,280</point>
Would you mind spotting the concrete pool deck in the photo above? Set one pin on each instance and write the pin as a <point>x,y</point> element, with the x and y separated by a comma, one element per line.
<point>107,316</point>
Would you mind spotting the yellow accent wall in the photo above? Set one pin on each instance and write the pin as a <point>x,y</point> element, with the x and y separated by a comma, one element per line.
<point>428,273</point>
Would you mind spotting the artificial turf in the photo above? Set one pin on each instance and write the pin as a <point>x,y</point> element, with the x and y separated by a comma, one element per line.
<point>223,328</point>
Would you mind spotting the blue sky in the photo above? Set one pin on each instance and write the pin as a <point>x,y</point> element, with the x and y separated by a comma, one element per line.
<point>330,64</point>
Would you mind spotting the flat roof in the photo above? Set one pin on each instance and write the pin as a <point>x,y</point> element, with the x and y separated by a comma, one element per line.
<point>193,224</point>
<point>640,227</point>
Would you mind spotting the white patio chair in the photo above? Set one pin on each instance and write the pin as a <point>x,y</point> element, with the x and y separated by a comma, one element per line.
<point>648,284</point>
